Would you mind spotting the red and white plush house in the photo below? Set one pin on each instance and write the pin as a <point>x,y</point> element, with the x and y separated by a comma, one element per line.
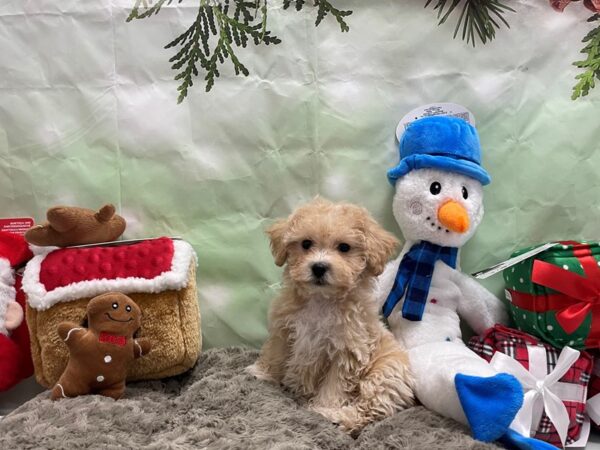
<point>15,355</point>
<point>158,274</point>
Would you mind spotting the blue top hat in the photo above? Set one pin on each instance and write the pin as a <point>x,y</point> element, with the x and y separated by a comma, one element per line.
<point>440,142</point>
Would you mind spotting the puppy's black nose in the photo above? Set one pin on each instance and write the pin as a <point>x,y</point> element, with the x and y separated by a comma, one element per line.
<point>319,269</point>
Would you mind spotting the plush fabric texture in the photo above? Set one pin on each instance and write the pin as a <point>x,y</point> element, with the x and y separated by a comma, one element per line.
<point>490,403</point>
<point>414,278</point>
<point>70,225</point>
<point>515,441</point>
<point>146,259</point>
<point>68,274</point>
<point>218,406</point>
<point>15,354</point>
<point>14,252</point>
<point>14,248</point>
<point>440,142</point>
<point>15,350</point>
<point>101,351</point>
<point>417,210</point>
<point>436,350</point>
<point>171,321</point>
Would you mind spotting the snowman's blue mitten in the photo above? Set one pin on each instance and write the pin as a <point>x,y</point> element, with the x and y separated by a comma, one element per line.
<point>489,403</point>
<point>515,441</point>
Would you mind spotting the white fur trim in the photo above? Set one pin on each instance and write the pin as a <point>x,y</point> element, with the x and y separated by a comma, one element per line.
<point>7,274</point>
<point>42,250</point>
<point>7,291</point>
<point>175,278</point>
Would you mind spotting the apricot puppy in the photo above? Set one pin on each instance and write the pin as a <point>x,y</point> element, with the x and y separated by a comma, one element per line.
<point>326,342</point>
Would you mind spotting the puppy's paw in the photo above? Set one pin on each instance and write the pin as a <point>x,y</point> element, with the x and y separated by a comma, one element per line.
<point>332,414</point>
<point>258,372</point>
<point>346,417</point>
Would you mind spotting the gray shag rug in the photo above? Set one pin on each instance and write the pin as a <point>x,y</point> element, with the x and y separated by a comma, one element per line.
<point>216,405</point>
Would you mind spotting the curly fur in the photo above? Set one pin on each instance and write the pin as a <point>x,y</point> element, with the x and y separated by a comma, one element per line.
<point>326,343</point>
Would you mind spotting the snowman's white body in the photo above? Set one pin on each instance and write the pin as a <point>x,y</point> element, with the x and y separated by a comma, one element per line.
<point>436,349</point>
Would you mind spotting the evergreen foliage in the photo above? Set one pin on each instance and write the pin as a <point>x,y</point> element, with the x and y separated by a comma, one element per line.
<point>219,28</point>
<point>590,65</point>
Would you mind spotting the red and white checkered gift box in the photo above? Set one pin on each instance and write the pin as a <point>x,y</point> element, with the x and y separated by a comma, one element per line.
<point>571,387</point>
<point>593,403</point>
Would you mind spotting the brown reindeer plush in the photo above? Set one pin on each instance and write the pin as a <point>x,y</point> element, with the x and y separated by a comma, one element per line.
<point>69,225</point>
<point>100,354</point>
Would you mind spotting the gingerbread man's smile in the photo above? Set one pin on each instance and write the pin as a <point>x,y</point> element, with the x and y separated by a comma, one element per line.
<point>117,320</point>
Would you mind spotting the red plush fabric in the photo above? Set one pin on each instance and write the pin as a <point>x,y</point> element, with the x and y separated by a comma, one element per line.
<point>113,339</point>
<point>14,248</point>
<point>146,259</point>
<point>15,352</point>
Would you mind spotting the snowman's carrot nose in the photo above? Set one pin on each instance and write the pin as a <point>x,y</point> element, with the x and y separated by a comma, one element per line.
<point>453,216</point>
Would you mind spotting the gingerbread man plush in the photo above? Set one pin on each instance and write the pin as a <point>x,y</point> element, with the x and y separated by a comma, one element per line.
<point>100,354</point>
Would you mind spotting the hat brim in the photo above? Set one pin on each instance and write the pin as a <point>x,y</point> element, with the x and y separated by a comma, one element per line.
<point>461,166</point>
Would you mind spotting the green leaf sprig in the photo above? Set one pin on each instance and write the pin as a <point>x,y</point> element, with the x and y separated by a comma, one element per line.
<point>590,65</point>
<point>232,24</point>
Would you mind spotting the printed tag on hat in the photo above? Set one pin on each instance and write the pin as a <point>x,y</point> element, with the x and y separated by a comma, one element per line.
<point>434,109</point>
<point>486,273</point>
<point>16,225</point>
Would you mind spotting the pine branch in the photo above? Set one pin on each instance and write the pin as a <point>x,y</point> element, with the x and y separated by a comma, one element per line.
<point>147,9</point>
<point>324,8</point>
<point>479,17</point>
<point>231,30</point>
<point>591,65</point>
<point>232,23</point>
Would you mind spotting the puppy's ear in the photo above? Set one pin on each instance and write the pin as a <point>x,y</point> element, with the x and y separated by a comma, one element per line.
<point>380,246</point>
<point>276,233</point>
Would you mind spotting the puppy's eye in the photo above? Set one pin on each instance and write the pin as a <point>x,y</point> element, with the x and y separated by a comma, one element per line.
<point>306,244</point>
<point>128,308</point>
<point>435,188</point>
<point>465,193</point>
<point>115,305</point>
<point>344,248</point>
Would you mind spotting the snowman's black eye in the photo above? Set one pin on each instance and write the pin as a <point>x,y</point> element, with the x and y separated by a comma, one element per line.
<point>465,193</point>
<point>115,305</point>
<point>435,188</point>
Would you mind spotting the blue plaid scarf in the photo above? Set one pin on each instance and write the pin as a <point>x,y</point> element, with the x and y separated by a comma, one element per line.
<point>414,278</point>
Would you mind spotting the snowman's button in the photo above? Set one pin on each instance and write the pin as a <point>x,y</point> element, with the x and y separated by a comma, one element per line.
<point>107,359</point>
<point>433,300</point>
<point>99,378</point>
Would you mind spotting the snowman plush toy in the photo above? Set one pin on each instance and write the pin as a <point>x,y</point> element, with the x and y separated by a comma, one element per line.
<point>438,205</point>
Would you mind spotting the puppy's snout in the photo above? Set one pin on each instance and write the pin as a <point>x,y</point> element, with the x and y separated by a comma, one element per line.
<point>319,269</point>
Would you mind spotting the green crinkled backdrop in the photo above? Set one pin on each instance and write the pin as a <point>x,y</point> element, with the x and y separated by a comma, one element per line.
<point>88,114</point>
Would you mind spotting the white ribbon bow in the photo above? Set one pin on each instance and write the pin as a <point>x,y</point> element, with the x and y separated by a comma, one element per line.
<point>593,408</point>
<point>543,391</point>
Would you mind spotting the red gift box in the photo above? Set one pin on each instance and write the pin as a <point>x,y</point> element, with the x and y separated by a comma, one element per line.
<point>518,345</point>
